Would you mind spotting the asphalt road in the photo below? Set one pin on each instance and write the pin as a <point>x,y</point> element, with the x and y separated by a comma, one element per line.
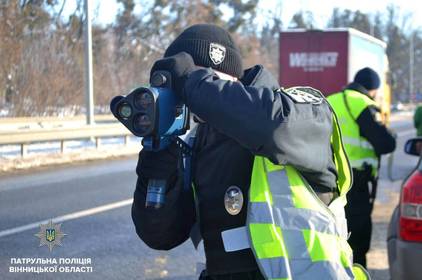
<point>107,237</point>
<point>98,228</point>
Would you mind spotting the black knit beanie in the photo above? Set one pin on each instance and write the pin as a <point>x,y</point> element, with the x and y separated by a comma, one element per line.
<point>209,46</point>
<point>367,78</point>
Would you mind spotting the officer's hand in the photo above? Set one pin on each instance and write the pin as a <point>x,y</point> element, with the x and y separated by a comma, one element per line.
<point>159,165</point>
<point>179,66</point>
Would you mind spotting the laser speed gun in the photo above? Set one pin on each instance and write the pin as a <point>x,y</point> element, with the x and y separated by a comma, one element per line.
<point>159,116</point>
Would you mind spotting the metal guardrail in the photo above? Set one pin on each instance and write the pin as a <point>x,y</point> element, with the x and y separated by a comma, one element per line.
<point>25,120</point>
<point>25,137</point>
<point>21,123</point>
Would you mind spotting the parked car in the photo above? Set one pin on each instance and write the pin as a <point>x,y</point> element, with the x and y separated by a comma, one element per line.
<point>404,239</point>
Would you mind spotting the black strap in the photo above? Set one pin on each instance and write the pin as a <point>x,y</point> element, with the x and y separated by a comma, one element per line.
<point>187,153</point>
<point>185,147</point>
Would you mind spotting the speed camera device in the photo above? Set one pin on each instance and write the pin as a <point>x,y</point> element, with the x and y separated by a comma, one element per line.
<point>157,115</point>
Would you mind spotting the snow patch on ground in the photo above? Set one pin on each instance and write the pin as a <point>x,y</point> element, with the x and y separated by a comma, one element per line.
<point>42,154</point>
<point>14,151</point>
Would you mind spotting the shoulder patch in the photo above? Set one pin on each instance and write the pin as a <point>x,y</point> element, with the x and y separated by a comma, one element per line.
<point>306,95</point>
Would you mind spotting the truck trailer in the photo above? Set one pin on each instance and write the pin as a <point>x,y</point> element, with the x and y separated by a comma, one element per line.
<point>328,60</point>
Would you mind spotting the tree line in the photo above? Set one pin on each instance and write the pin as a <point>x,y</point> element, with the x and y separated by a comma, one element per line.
<point>41,50</point>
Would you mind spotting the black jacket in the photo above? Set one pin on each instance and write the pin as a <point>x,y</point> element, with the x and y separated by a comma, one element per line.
<point>241,121</point>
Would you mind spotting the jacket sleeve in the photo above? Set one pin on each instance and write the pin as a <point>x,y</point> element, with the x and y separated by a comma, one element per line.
<point>167,227</point>
<point>377,134</point>
<point>268,123</point>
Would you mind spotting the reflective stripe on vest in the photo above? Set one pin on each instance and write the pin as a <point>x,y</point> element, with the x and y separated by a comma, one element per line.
<point>362,142</point>
<point>358,163</point>
<point>358,149</point>
<point>364,149</point>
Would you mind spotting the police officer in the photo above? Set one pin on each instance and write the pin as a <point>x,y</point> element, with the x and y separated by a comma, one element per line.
<point>260,156</point>
<point>365,139</point>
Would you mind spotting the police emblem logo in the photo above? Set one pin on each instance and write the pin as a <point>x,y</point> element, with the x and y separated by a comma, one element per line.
<point>217,53</point>
<point>233,200</point>
<point>304,95</point>
<point>50,235</point>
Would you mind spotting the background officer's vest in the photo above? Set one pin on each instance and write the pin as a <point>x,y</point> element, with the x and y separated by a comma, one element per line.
<point>293,234</point>
<point>358,149</point>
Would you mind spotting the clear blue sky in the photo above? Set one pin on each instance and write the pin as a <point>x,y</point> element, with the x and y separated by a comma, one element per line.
<point>105,11</point>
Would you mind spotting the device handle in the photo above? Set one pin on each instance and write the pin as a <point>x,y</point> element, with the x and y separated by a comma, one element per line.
<point>156,193</point>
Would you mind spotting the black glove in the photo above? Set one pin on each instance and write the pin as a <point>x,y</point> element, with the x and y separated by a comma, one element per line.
<point>179,66</point>
<point>250,75</point>
<point>254,77</point>
<point>159,165</point>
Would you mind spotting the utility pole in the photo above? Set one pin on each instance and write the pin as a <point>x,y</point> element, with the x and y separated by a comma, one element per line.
<point>89,82</point>
<point>411,65</point>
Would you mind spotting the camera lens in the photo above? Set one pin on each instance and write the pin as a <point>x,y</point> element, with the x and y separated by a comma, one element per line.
<point>114,103</point>
<point>144,100</point>
<point>125,111</point>
<point>142,123</point>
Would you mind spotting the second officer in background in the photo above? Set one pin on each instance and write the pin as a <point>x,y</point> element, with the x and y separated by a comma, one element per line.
<point>365,140</point>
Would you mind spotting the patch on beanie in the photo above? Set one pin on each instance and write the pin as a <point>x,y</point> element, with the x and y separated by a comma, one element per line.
<point>217,53</point>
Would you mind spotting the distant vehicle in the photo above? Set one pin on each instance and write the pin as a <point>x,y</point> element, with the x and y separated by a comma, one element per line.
<point>397,107</point>
<point>404,238</point>
<point>328,59</point>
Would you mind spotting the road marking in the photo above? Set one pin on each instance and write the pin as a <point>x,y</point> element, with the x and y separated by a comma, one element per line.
<point>71,216</point>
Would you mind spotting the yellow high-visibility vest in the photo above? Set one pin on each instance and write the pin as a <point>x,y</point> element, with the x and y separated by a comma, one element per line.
<point>292,233</point>
<point>358,149</point>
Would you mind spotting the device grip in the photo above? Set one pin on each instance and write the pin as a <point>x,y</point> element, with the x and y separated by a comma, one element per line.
<point>156,193</point>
